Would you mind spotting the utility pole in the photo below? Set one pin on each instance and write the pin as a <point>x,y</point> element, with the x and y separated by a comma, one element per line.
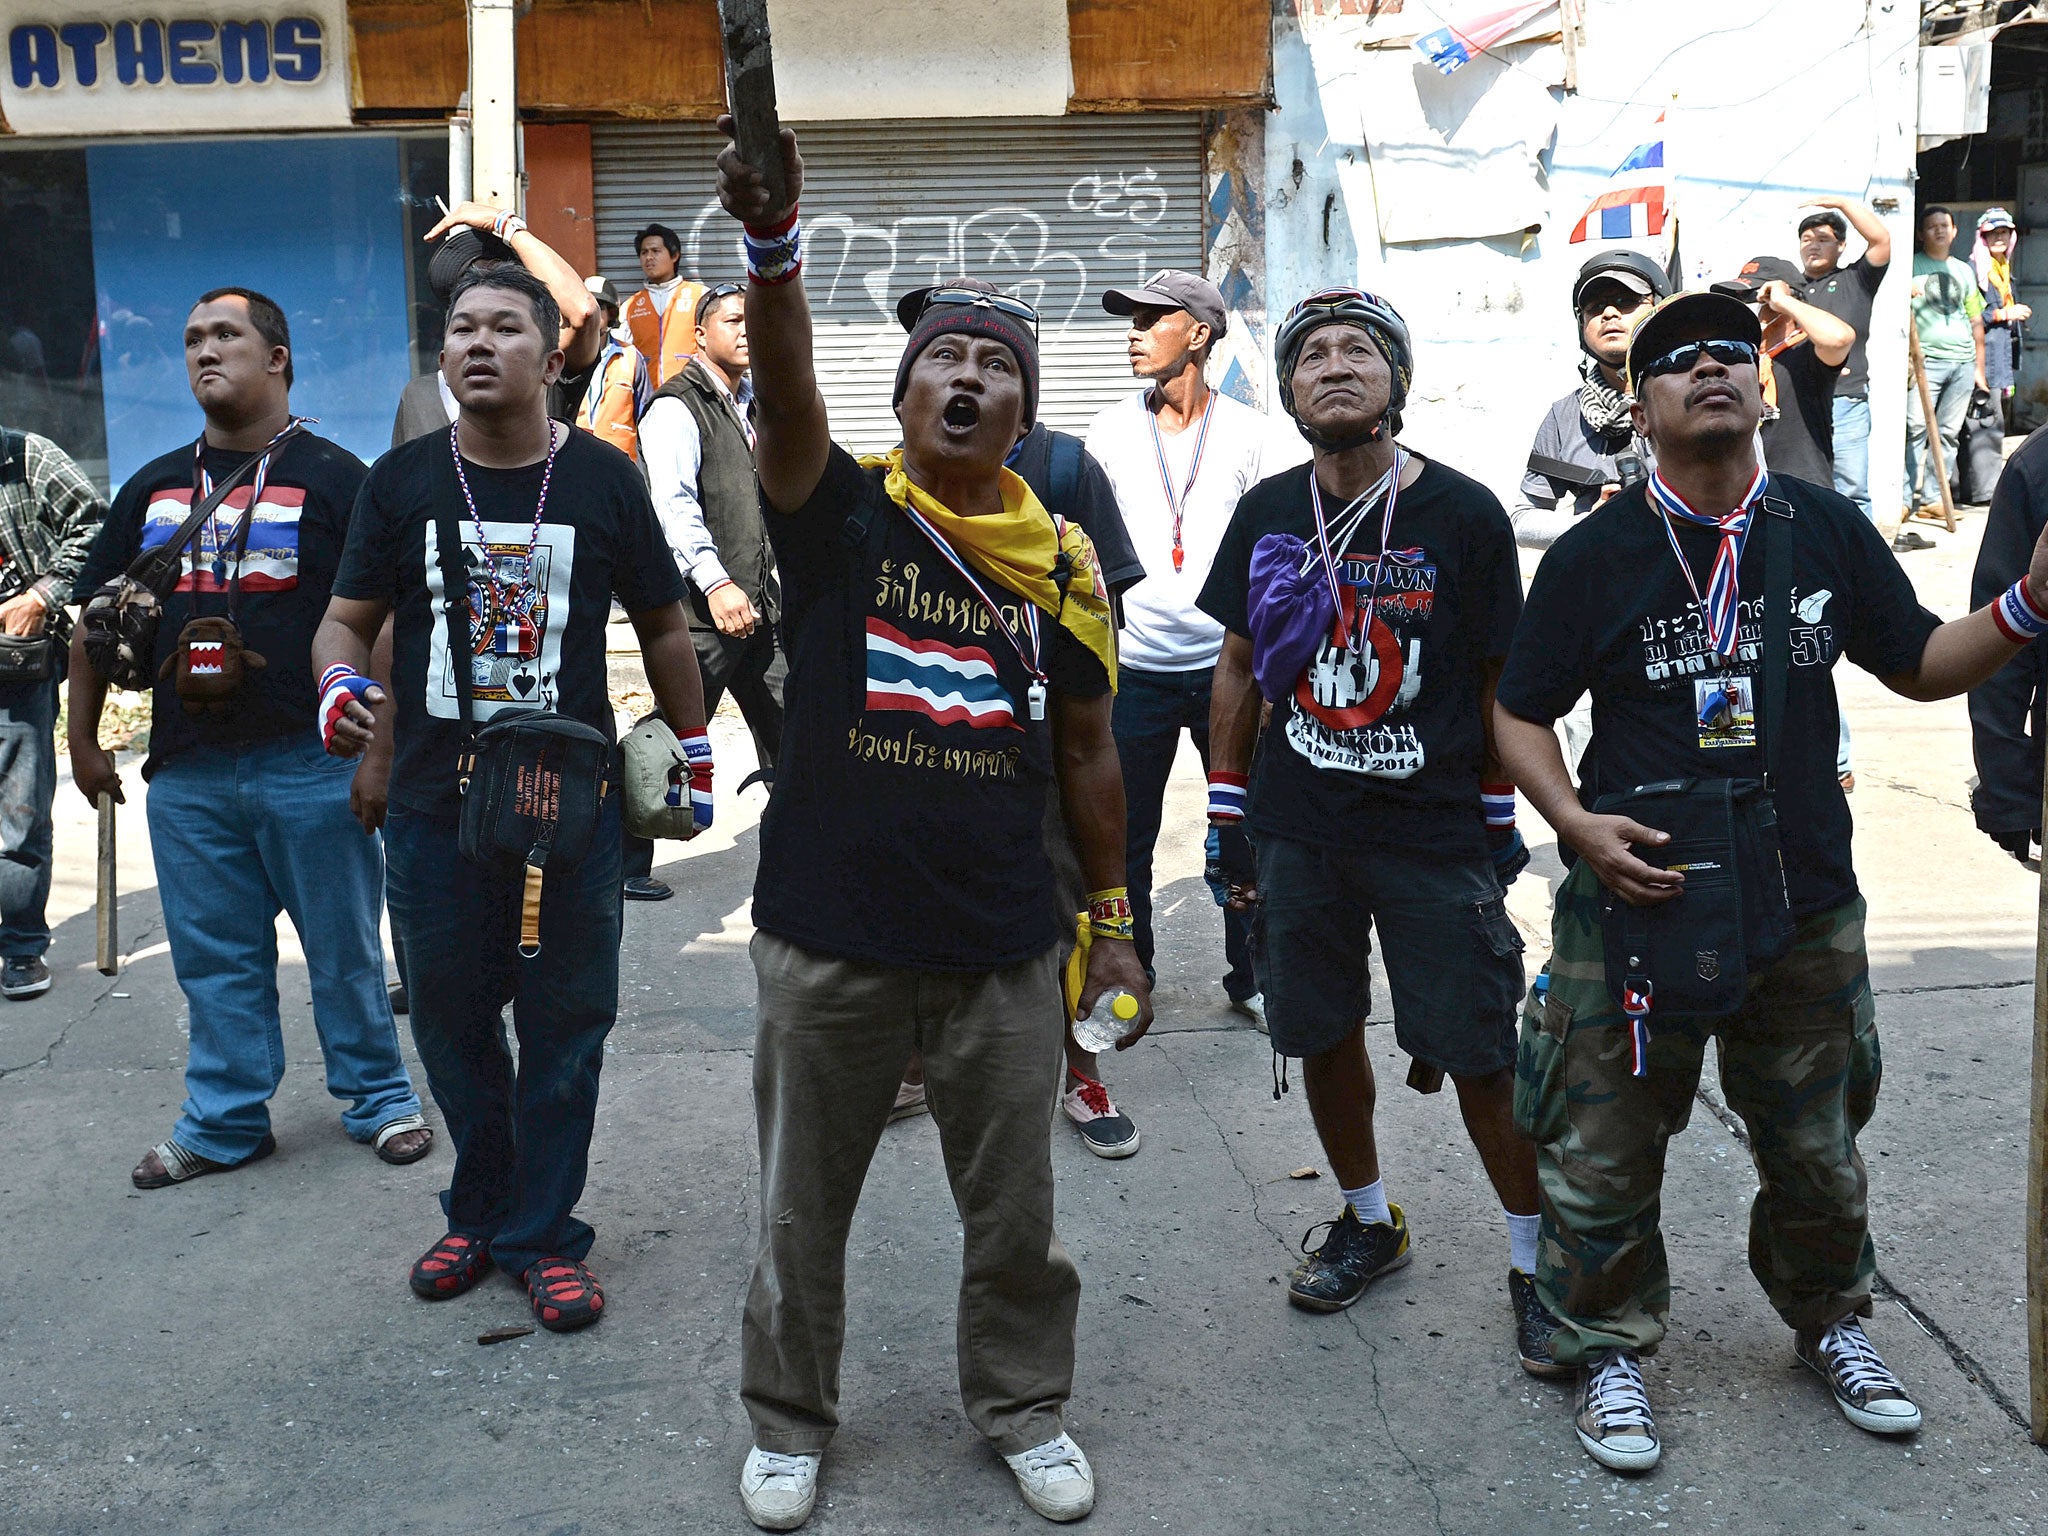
<point>494,104</point>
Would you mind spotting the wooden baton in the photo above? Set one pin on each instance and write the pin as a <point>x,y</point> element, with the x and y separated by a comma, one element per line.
<point>107,938</point>
<point>750,91</point>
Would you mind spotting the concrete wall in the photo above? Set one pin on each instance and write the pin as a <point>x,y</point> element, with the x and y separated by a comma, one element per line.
<point>1763,108</point>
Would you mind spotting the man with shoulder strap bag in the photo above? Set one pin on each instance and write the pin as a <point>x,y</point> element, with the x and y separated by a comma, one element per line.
<point>496,547</point>
<point>217,556</point>
<point>49,515</point>
<point>1714,897</point>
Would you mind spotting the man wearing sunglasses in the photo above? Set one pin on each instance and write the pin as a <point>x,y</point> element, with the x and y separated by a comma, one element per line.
<point>1573,462</point>
<point>1654,604</point>
<point>1370,597</point>
<point>697,439</point>
<point>952,654</point>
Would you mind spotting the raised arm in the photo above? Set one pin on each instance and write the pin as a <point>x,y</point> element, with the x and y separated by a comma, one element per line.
<point>582,335</point>
<point>792,437</point>
<point>1965,652</point>
<point>1877,239</point>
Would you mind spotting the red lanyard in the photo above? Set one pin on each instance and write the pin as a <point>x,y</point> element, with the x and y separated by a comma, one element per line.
<point>1177,505</point>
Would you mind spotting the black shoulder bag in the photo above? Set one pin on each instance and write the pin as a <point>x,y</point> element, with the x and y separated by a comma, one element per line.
<point>1694,955</point>
<point>121,618</point>
<point>533,782</point>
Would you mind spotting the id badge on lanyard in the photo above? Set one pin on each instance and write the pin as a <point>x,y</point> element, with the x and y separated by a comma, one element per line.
<point>1725,709</point>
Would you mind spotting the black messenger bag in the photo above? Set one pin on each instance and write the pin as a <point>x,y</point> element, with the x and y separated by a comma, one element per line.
<point>532,783</point>
<point>1694,955</point>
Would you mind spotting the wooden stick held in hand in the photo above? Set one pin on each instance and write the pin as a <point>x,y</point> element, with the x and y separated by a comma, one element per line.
<point>750,91</point>
<point>107,942</point>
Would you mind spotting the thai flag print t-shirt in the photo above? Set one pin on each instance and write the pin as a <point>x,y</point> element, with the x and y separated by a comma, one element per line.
<point>906,824</point>
<point>1380,741</point>
<point>298,522</point>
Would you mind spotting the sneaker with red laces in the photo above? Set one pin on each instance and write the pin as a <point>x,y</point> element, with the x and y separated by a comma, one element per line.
<point>1105,1130</point>
<point>451,1266</point>
<point>564,1294</point>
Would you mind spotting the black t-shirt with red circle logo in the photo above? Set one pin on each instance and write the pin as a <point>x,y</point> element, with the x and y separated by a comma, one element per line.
<point>1381,740</point>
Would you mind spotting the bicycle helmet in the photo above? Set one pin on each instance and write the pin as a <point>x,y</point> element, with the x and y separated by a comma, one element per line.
<point>1380,320</point>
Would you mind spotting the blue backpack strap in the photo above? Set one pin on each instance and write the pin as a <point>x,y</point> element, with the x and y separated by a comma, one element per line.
<point>1064,478</point>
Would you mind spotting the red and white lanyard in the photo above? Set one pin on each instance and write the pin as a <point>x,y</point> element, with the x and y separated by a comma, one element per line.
<point>1389,486</point>
<point>202,482</point>
<point>1030,657</point>
<point>1177,505</point>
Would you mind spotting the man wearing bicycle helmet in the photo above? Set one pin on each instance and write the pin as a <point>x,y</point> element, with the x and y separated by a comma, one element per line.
<point>1574,462</point>
<point>1370,597</point>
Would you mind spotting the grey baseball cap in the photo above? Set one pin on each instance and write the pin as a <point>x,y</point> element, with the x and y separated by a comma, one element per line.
<point>1169,289</point>
<point>603,290</point>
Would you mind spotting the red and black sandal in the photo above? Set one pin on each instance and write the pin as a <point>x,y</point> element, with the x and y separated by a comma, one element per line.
<point>451,1266</point>
<point>565,1295</point>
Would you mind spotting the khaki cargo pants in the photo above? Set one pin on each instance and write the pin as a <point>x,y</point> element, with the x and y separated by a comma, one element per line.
<point>1799,1063</point>
<point>834,1038</point>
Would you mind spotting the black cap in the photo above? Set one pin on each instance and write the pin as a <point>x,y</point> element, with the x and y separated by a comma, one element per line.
<point>1636,272</point>
<point>459,250</point>
<point>1717,315</point>
<point>1759,270</point>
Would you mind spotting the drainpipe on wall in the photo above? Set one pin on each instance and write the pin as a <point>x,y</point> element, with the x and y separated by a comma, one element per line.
<point>493,103</point>
<point>458,153</point>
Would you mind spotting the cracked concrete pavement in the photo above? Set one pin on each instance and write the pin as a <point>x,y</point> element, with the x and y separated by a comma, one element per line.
<point>241,1354</point>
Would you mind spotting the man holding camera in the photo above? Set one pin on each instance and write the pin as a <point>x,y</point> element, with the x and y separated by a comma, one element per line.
<point>1655,603</point>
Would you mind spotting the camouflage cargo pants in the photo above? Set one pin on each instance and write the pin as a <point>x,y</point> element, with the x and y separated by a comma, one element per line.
<point>1799,1063</point>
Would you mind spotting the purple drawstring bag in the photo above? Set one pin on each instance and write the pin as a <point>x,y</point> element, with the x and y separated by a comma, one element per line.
<point>1290,611</point>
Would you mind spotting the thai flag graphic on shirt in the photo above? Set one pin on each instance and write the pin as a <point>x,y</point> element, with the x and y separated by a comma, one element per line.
<point>950,684</point>
<point>271,562</point>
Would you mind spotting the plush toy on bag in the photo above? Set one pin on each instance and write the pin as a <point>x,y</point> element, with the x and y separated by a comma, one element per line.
<point>668,781</point>
<point>210,665</point>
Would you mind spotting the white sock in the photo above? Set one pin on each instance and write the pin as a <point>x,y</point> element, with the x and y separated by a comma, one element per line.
<point>1522,1241</point>
<point>1371,1203</point>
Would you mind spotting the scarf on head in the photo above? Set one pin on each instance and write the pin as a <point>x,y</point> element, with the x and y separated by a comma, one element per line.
<point>1604,407</point>
<point>1020,548</point>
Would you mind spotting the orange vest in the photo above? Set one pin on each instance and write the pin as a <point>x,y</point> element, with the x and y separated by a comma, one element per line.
<point>668,340</point>
<point>618,393</point>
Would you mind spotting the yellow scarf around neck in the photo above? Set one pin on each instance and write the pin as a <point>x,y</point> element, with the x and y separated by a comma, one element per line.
<point>1017,548</point>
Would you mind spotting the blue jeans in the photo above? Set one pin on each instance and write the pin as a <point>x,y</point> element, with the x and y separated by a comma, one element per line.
<point>28,786</point>
<point>522,1139</point>
<point>1852,451</point>
<point>1950,384</point>
<point>240,834</point>
<point>1152,709</point>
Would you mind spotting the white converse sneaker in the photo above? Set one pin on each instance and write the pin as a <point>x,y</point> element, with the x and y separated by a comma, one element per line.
<point>1868,1394</point>
<point>1613,1418</point>
<point>1055,1479</point>
<point>777,1491</point>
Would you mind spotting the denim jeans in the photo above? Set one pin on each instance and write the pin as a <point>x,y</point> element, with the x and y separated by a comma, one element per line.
<point>522,1138</point>
<point>28,786</point>
<point>240,834</point>
<point>1852,451</point>
<point>1152,709</point>
<point>1950,384</point>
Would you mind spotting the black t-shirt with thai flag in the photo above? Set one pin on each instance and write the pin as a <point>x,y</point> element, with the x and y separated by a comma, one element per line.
<point>1381,740</point>
<point>905,828</point>
<point>294,545</point>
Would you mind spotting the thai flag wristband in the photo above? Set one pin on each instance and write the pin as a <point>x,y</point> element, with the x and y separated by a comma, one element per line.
<point>2018,618</point>
<point>1226,796</point>
<point>340,685</point>
<point>774,254</point>
<point>1499,802</point>
<point>697,749</point>
<point>506,225</point>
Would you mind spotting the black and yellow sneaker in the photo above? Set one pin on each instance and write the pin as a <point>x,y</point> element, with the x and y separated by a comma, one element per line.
<point>1350,1259</point>
<point>1533,1327</point>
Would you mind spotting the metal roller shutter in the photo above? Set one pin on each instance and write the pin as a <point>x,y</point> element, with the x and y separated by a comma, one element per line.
<point>1051,209</point>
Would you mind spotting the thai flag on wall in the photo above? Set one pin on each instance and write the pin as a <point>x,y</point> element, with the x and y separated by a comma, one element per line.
<point>1452,47</point>
<point>952,685</point>
<point>1637,200</point>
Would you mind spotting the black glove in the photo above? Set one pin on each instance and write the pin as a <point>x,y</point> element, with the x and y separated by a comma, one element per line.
<point>1229,861</point>
<point>1510,854</point>
<point>2020,843</point>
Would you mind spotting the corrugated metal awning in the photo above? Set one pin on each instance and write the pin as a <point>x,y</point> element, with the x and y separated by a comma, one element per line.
<point>1052,209</point>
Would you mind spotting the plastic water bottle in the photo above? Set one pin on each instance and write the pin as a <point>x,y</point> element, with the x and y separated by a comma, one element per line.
<point>1114,1014</point>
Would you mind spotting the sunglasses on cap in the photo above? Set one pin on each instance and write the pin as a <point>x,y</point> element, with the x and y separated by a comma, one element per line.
<point>1683,359</point>
<point>716,292</point>
<point>955,298</point>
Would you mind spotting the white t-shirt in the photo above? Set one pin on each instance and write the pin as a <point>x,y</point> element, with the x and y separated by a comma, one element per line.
<point>1163,629</point>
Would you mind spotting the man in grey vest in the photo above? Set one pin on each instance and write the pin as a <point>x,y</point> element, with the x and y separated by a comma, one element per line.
<point>697,442</point>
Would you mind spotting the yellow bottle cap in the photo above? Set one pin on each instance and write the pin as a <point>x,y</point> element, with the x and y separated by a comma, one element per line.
<point>1125,1006</point>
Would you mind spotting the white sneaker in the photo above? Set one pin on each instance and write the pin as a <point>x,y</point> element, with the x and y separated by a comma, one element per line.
<point>1253,1008</point>
<point>1613,1413</point>
<point>777,1491</point>
<point>1866,1391</point>
<point>1055,1479</point>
